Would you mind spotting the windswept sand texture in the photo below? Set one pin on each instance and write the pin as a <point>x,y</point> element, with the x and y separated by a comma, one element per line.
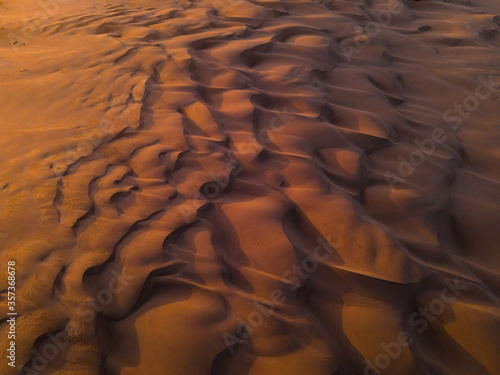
<point>218,188</point>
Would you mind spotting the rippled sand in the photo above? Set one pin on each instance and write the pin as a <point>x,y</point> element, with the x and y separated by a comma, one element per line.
<point>251,187</point>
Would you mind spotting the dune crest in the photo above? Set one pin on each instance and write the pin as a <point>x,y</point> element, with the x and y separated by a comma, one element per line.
<point>251,187</point>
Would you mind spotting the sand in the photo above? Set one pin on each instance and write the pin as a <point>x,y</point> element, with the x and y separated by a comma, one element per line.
<point>233,187</point>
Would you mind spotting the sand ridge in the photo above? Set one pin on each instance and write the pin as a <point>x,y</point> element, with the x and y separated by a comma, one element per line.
<point>252,187</point>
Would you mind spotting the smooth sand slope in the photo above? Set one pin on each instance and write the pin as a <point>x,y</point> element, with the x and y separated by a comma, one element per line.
<point>251,187</point>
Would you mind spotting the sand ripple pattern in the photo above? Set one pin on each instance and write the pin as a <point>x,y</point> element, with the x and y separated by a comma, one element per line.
<point>237,216</point>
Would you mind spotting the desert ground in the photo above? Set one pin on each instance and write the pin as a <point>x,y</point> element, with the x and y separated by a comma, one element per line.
<point>250,187</point>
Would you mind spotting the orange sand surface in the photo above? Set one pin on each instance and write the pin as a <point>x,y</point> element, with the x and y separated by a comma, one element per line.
<point>264,187</point>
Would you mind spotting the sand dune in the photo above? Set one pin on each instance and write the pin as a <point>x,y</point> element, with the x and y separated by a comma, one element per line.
<point>233,187</point>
